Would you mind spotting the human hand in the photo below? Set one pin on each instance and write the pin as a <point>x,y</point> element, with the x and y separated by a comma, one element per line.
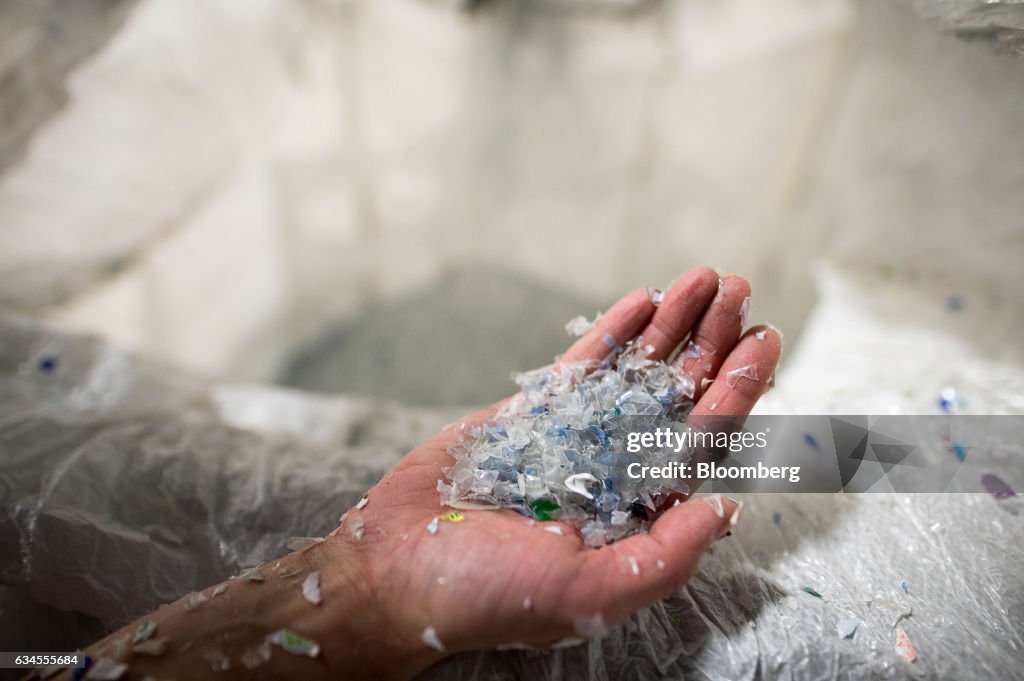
<point>498,578</point>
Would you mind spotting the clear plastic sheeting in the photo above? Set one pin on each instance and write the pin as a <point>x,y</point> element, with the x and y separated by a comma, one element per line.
<point>124,486</point>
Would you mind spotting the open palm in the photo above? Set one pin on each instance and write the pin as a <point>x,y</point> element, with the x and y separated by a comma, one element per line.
<point>497,577</point>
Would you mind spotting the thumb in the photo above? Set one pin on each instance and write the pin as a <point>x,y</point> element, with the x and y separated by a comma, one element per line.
<point>645,568</point>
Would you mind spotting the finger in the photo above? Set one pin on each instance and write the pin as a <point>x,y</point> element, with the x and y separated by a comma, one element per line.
<point>744,376</point>
<point>716,333</point>
<point>619,324</point>
<point>685,300</point>
<point>644,568</point>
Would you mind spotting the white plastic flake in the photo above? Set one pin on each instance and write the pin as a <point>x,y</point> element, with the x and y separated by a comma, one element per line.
<point>430,637</point>
<point>311,588</point>
<point>590,627</point>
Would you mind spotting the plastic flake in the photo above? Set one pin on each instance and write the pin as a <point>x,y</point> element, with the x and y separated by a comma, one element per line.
<point>904,647</point>
<point>903,585</point>
<point>154,647</point>
<point>656,296</point>
<point>254,657</point>
<point>219,662</point>
<point>845,628</point>
<point>809,590</point>
<point>578,326</point>
<point>433,525</point>
<point>733,377</point>
<point>362,502</point>
<point>759,334</point>
<point>302,543</point>
<point>218,590</point>
<point>715,502</point>
<point>144,632</point>
<point>554,529</point>
<point>430,638</point>
<point>777,518</point>
<point>995,486</point>
<point>744,311</point>
<point>949,401</point>
<point>590,627</point>
<point>106,669</point>
<point>453,517</point>
<point>311,588</point>
<point>252,575</point>
<point>357,529</point>
<point>293,643</point>
<point>195,600</point>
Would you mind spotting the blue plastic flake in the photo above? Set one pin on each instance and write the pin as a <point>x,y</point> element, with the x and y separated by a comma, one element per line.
<point>954,303</point>
<point>949,401</point>
<point>903,585</point>
<point>959,452</point>
<point>812,442</point>
<point>47,363</point>
<point>777,518</point>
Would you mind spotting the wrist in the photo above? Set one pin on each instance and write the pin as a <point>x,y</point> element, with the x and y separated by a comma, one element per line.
<point>361,634</point>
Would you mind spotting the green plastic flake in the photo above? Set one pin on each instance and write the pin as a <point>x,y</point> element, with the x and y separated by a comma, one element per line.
<point>809,590</point>
<point>294,643</point>
<point>144,632</point>
<point>544,509</point>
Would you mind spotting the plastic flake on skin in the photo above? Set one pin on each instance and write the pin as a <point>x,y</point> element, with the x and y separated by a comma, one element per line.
<point>357,529</point>
<point>296,544</point>
<point>252,575</point>
<point>362,503</point>
<point>311,589</point>
<point>578,326</point>
<point>554,529</point>
<point>590,627</point>
<point>153,647</point>
<point>656,296</point>
<point>431,639</point>
<point>293,643</point>
<point>195,600</point>
<point>254,657</point>
<point>218,590</point>
<point>744,311</point>
<point>144,632</point>
<point>433,525</point>
<point>759,334</point>
<point>715,502</point>
<point>693,350</point>
<point>733,377</point>
<point>219,661</point>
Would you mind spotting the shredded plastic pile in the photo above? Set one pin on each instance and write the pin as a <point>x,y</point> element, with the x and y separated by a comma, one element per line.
<point>558,450</point>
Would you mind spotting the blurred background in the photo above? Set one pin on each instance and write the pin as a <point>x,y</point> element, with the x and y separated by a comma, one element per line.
<point>409,198</point>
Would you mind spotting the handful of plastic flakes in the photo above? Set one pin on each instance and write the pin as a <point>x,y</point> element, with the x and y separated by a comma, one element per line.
<point>558,450</point>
